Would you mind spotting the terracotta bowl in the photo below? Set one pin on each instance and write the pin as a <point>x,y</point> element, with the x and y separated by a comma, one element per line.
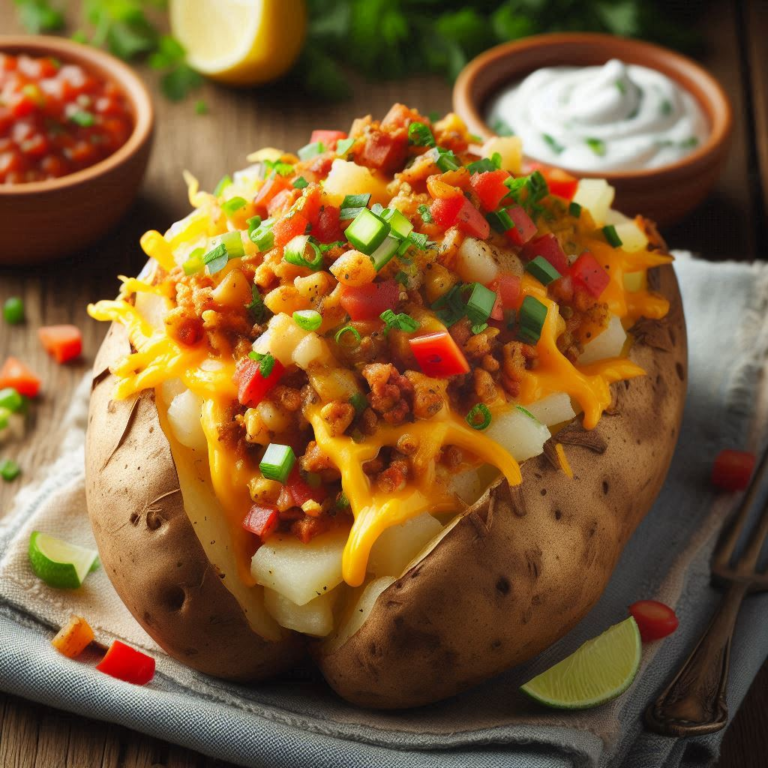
<point>664,194</point>
<point>46,220</point>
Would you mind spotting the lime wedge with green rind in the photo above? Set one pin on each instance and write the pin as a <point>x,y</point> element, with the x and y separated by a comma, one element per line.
<point>600,670</point>
<point>59,563</point>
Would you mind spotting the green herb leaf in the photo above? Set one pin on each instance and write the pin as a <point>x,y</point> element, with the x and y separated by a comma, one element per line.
<point>177,83</point>
<point>597,146</point>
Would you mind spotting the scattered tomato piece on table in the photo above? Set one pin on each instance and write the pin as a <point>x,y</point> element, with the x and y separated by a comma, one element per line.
<point>62,342</point>
<point>732,470</point>
<point>654,619</point>
<point>16,375</point>
<point>128,664</point>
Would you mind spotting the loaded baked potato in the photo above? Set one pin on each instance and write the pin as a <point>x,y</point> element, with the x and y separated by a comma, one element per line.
<point>392,402</point>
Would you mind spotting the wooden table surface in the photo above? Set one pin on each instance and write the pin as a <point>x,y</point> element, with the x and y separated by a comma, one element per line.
<point>732,224</point>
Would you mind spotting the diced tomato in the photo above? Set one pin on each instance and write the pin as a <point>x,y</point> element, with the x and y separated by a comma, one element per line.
<point>128,664</point>
<point>272,187</point>
<point>61,342</point>
<point>548,247</point>
<point>289,227</point>
<point>281,201</point>
<point>560,182</point>
<point>438,355</point>
<point>262,520</point>
<point>328,227</point>
<point>328,138</point>
<point>472,222</point>
<point>384,151</point>
<point>251,385</point>
<point>399,116</point>
<point>490,188</point>
<point>16,375</point>
<point>367,302</point>
<point>588,275</point>
<point>508,290</point>
<point>445,211</point>
<point>524,228</point>
<point>732,470</point>
<point>310,203</point>
<point>301,491</point>
<point>497,313</point>
<point>654,619</point>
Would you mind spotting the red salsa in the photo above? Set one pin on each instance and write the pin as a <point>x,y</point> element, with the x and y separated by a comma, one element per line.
<point>56,118</point>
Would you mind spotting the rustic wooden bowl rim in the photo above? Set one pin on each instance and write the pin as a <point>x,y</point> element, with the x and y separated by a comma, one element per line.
<point>708,92</point>
<point>107,66</point>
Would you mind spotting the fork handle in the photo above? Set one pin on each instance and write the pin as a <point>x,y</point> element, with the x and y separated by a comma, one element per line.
<point>694,702</point>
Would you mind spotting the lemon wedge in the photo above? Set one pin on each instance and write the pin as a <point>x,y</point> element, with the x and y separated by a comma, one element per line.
<point>240,42</point>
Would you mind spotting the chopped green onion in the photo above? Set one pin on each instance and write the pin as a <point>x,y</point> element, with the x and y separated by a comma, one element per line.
<point>450,307</point>
<point>527,413</point>
<point>419,240</point>
<point>262,236</point>
<point>402,278</point>
<point>377,209</point>
<point>300,183</point>
<point>267,363</point>
<point>277,462</point>
<point>343,146</point>
<point>308,151</point>
<point>531,320</point>
<point>384,253</point>
<point>356,201</point>
<point>341,333</point>
<point>253,224</point>
<point>612,236</point>
<point>234,245</point>
<point>346,214</point>
<point>689,143</point>
<point>479,417</point>
<point>194,263</point>
<point>480,303</point>
<point>11,399</point>
<point>426,214</point>
<point>419,135</point>
<point>666,107</point>
<point>295,250</point>
<point>308,319</point>
<point>479,328</point>
<point>399,224</point>
<point>597,146</point>
<point>542,270</point>
<point>9,470</point>
<point>83,119</point>
<point>358,402</point>
<point>502,127</point>
<point>279,167</point>
<point>475,138</point>
<point>233,204</point>
<point>222,185</point>
<point>446,160</point>
<point>500,220</point>
<point>621,87</point>
<point>13,311</point>
<point>216,259</point>
<point>256,305</point>
<point>554,145</point>
<point>367,232</point>
<point>575,210</point>
<point>342,501</point>
<point>401,321</point>
<point>486,164</point>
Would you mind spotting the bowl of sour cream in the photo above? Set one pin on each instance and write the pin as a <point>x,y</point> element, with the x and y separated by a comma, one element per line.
<point>653,123</point>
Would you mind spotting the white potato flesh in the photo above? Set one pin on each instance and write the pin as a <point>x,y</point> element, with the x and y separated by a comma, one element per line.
<point>554,409</point>
<point>475,262</point>
<point>510,148</point>
<point>398,545</point>
<point>347,178</point>
<point>467,485</point>
<point>184,414</point>
<point>313,618</point>
<point>280,339</point>
<point>361,610</point>
<point>596,195</point>
<point>632,238</point>
<point>300,572</point>
<point>170,388</point>
<point>310,349</point>
<point>608,344</point>
<point>634,281</point>
<point>152,308</point>
<point>520,434</point>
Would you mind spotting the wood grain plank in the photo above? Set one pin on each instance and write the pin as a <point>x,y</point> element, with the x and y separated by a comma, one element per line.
<point>19,734</point>
<point>53,739</point>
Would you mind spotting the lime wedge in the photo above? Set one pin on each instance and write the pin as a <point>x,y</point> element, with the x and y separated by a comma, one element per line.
<point>59,563</point>
<point>599,671</point>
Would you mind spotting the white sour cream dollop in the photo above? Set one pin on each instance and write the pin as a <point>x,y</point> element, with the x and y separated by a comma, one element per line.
<point>609,118</point>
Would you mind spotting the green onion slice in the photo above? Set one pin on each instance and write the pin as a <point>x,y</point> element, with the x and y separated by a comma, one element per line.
<point>426,214</point>
<point>612,236</point>
<point>277,462</point>
<point>500,220</point>
<point>480,303</point>
<point>419,135</point>
<point>356,201</point>
<point>479,417</point>
<point>399,224</point>
<point>359,402</point>
<point>11,400</point>
<point>234,245</point>
<point>233,204</point>
<point>308,319</point>
<point>194,263</point>
<point>597,146</point>
<point>345,330</point>
<point>222,185</point>
<point>267,363</point>
<point>575,210</point>
<point>446,160</point>
<point>531,320</point>
<point>295,250</point>
<point>367,231</point>
<point>300,183</point>
<point>401,321</point>
<point>308,151</point>
<point>542,270</point>
<point>216,259</point>
<point>343,146</point>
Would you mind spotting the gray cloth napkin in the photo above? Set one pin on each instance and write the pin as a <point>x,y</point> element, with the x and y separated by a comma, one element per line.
<point>299,721</point>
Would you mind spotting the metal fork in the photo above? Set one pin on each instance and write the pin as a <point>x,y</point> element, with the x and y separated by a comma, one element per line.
<point>695,702</point>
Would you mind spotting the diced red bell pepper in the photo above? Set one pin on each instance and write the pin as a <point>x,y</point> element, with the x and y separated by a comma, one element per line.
<point>61,342</point>
<point>367,302</point>
<point>438,355</point>
<point>280,201</point>
<point>327,138</point>
<point>328,227</point>
<point>399,116</point>
<point>732,470</point>
<point>490,188</point>
<point>251,385</point>
<point>16,375</point>
<point>384,151</point>
<point>262,520</point>
<point>301,491</point>
<point>524,228</point>
<point>654,619</point>
<point>128,664</point>
<point>588,275</point>
<point>289,227</point>
<point>458,211</point>
<point>548,247</point>
<point>272,187</point>
<point>560,182</point>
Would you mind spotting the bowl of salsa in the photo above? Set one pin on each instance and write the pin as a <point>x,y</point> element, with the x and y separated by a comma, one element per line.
<point>75,136</point>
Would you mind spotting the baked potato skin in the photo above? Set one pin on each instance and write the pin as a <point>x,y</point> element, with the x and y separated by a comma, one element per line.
<point>148,546</point>
<point>526,564</point>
